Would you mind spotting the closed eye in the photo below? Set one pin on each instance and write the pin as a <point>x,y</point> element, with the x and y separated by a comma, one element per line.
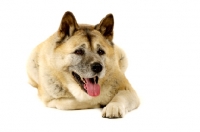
<point>101,52</point>
<point>79,52</point>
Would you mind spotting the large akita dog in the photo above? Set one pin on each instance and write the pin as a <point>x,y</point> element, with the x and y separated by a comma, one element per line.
<point>79,67</point>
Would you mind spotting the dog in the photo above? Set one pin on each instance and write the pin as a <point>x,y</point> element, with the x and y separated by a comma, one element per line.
<point>79,67</point>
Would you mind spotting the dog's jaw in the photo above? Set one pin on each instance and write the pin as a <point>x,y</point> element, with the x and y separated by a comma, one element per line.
<point>88,85</point>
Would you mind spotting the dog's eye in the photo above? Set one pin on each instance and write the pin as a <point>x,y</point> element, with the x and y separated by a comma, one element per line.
<point>79,52</point>
<point>100,52</point>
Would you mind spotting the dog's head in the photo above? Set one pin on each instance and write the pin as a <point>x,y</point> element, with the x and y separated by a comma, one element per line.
<point>84,51</point>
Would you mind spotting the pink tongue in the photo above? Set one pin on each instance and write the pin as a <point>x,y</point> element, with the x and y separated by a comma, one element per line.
<point>93,89</point>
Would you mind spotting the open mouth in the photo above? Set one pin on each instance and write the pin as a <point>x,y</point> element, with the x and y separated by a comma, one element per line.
<point>89,85</point>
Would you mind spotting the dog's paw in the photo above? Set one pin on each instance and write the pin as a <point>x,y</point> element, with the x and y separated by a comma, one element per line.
<point>114,110</point>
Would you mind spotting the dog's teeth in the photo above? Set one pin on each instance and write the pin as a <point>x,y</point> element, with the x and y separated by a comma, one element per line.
<point>96,80</point>
<point>83,80</point>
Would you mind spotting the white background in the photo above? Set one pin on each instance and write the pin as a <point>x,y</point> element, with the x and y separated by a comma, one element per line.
<point>161,39</point>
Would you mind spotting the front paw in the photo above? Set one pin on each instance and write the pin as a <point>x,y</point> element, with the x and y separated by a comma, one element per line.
<point>114,110</point>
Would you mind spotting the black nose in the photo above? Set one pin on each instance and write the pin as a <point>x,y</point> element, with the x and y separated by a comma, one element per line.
<point>96,67</point>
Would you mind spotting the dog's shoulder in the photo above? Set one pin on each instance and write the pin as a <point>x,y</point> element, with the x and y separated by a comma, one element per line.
<point>121,58</point>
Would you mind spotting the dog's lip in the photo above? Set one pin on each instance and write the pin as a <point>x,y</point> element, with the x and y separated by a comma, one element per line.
<point>79,80</point>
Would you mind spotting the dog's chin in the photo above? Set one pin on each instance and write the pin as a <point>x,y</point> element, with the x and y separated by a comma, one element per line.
<point>88,85</point>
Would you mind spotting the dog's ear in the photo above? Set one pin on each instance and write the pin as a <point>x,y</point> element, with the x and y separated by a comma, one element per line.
<point>68,26</point>
<point>106,26</point>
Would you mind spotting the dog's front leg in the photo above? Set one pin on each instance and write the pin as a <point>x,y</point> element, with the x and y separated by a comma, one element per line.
<point>69,104</point>
<point>123,102</point>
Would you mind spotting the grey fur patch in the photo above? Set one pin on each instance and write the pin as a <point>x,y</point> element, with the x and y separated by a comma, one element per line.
<point>83,65</point>
<point>54,87</point>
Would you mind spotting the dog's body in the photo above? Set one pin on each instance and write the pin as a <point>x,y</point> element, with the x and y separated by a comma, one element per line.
<point>79,67</point>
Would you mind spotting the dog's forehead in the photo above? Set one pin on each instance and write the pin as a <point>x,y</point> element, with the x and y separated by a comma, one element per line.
<point>93,37</point>
<point>87,37</point>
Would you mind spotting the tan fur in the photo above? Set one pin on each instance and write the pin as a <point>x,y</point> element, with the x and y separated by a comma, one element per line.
<point>48,69</point>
